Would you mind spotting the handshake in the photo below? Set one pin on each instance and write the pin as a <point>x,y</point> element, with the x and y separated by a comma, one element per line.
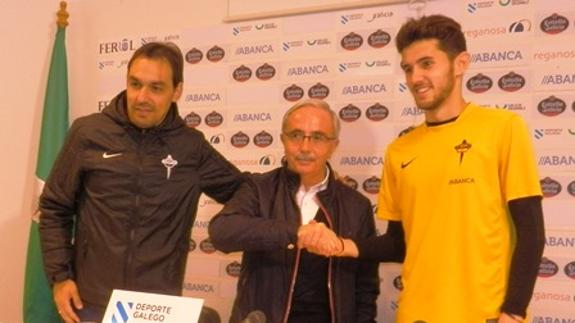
<point>317,238</point>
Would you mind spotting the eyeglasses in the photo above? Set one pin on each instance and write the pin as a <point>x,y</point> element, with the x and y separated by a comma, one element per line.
<point>297,137</point>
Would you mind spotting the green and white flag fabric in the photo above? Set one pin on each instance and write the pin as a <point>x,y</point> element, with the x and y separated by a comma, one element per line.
<point>38,303</point>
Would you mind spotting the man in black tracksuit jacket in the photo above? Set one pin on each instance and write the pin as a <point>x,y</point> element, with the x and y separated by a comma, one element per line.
<point>287,283</point>
<point>118,207</point>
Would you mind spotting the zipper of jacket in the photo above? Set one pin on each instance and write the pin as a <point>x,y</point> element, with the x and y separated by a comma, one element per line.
<point>330,262</point>
<point>329,272</point>
<point>292,285</point>
<point>133,218</point>
<point>294,274</point>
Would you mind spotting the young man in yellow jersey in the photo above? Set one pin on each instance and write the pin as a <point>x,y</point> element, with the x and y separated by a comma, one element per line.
<point>461,193</point>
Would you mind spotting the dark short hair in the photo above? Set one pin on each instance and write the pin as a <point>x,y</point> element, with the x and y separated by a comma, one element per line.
<point>446,30</point>
<point>168,51</point>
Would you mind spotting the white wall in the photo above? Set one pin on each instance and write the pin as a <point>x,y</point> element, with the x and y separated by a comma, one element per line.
<point>28,29</point>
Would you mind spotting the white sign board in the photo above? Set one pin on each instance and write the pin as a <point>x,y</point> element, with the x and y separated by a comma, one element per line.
<point>133,307</point>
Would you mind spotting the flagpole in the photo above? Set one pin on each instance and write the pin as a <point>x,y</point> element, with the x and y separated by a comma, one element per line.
<point>62,15</point>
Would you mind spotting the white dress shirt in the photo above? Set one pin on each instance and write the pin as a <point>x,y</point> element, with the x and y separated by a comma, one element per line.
<point>306,199</point>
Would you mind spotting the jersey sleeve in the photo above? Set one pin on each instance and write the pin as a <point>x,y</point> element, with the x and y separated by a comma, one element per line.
<point>518,170</point>
<point>387,208</point>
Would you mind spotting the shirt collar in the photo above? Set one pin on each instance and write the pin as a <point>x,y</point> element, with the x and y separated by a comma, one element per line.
<point>319,186</point>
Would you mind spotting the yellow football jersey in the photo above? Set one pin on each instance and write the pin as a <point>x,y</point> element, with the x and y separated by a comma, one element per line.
<point>449,184</point>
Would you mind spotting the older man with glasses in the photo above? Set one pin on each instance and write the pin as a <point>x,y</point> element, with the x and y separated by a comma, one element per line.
<point>279,276</point>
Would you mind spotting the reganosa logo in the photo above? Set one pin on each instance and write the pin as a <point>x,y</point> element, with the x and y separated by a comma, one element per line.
<point>217,139</point>
<point>520,26</point>
<point>194,56</point>
<point>242,73</point>
<point>240,140</point>
<point>350,113</point>
<point>554,24</point>
<point>215,54</point>
<point>511,82</point>
<point>547,268</point>
<point>351,41</point>
<point>551,106</point>
<point>263,139</point>
<point>378,39</point>
<point>293,93</point>
<point>479,83</point>
<point>265,72</point>
<point>267,160</point>
<point>550,187</point>
<point>214,119</point>
<point>377,112</point>
<point>318,91</point>
<point>192,120</point>
<point>233,269</point>
<point>371,185</point>
<point>207,246</point>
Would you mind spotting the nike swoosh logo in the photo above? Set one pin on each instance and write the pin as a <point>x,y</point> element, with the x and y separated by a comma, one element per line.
<point>106,155</point>
<point>403,165</point>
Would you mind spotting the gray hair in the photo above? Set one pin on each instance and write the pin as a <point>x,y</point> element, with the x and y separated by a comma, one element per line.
<point>320,104</point>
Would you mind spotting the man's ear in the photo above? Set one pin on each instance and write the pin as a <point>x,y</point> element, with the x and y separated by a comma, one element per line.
<point>178,92</point>
<point>461,63</point>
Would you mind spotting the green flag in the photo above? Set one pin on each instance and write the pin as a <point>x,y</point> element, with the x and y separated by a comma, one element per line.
<point>38,303</point>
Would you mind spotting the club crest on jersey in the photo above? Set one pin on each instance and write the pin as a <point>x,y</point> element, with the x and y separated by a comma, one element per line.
<point>462,148</point>
<point>169,163</point>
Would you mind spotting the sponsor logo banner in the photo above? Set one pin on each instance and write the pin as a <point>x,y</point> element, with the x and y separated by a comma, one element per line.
<point>133,307</point>
<point>554,79</point>
<point>263,50</point>
<point>487,56</point>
